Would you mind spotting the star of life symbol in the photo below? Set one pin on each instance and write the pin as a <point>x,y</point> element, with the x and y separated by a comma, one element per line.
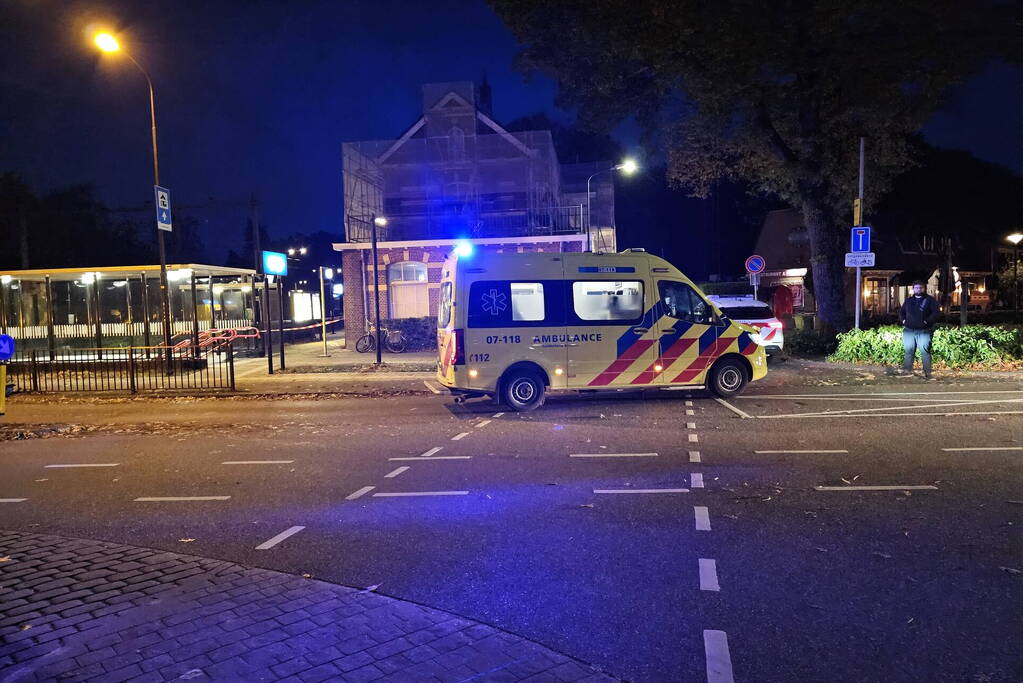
<point>494,302</point>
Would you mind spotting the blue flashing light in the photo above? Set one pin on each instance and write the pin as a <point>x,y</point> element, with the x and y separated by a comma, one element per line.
<point>463,249</point>
<point>275,263</point>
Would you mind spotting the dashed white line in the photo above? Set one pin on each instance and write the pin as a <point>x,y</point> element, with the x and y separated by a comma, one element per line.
<point>92,464</point>
<point>641,490</point>
<point>809,450</point>
<point>690,425</point>
<point>484,423</point>
<point>418,458</point>
<point>395,472</point>
<point>431,387</point>
<point>985,448</point>
<point>612,455</point>
<point>458,437</point>
<point>409,494</point>
<point>177,499</point>
<point>257,462</point>
<point>13,500</point>
<point>690,411</point>
<point>266,545</point>
<point>702,518</point>
<point>693,438</point>
<point>719,661</point>
<point>696,480</point>
<point>709,575</point>
<point>689,403</point>
<point>735,410</point>
<point>497,415</point>
<point>876,488</point>
<point>694,456</point>
<point>361,492</point>
<point>427,454</point>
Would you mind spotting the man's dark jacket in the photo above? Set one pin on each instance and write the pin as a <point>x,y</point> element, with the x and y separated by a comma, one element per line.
<point>919,313</point>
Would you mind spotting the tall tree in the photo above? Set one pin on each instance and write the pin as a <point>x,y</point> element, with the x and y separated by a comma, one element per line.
<point>773,94</point>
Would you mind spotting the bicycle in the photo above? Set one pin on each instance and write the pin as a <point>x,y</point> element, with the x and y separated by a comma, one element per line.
<point>394,342</point>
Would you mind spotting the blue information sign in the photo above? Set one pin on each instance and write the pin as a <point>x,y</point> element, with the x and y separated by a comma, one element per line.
<point>275,263</point>
<point>163,208</point>
<point>6,348</point>
<point>860,239</point>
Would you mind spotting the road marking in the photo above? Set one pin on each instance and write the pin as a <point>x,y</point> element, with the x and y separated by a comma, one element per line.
<point>690,425</point>
<point>854,412</point>
<point>689,403</point>
<point>408,494</point>
<point>431,387</point>
<point>395,472</point>
<point>497,415</point>
<point>735,410</point>
<point>696,480</point>
<point>93,464</point>
<point>693,438</point>
<point>460,436</point>
<point>427,454</point>
<point>613,455</point>
<point>985,448</point>
<point>702,518</point>
<point>801,451</point>
<point>177,499</point>
<point>641,490</point>
<point>439,457</point>
<point>13,500</point>
<point>257,462</point>
<point>266,545</point>
<point>709,575</point>
<point>483,424</point>
<point>884,393</point>
<point>694,456</point>
<point>875,488</point>
<point>361,492</point>
<point>690,411</point>
<point>941,414</point>
<point>719,661</point>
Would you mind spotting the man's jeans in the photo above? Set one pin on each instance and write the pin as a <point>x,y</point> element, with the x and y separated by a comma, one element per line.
<point>913,341</point>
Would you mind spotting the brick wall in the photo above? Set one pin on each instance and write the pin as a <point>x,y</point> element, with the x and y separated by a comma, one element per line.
<point>354,311</point>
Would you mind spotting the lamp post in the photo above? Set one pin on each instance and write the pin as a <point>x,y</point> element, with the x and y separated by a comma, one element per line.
<point>377,221</point>
<point>628,167</point>
<point>1015,238</point>
<point>108,43</point>
<point>327,273</point>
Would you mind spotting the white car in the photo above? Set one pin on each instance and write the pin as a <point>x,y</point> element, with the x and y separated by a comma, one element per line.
<point>750,311</point>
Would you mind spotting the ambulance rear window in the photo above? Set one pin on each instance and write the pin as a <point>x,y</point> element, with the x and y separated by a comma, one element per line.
<point>444,310</point>
<point>747,312</point>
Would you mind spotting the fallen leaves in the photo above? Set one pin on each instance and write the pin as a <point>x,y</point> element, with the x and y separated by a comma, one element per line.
<point>186,540</point>
<point>1011,570</point>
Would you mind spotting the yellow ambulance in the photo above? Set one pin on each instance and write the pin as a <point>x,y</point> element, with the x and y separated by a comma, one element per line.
<point>517,325</point>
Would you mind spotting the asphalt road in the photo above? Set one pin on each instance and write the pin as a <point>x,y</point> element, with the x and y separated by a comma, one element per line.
<point>677,533</point>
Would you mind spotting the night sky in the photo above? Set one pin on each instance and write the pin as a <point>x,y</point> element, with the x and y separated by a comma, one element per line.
<point>257,96</point>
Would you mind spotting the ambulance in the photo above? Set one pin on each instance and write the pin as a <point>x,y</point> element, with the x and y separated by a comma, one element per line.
<point>515,326</point>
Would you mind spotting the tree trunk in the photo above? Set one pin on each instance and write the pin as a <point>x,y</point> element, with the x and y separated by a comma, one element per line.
<point>827,263</point>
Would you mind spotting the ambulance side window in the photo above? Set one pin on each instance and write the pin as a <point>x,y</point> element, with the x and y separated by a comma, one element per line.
<point>679,301</point>
<point>617,301</point>
<point>500,303</point>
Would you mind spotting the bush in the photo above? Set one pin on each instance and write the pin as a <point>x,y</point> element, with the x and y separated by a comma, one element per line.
<point>809,342</point>
<point>956,347</point>
<point>420,333</point>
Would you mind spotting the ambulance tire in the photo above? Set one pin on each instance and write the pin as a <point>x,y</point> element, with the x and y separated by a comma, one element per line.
<point>522,390</point>
<point>728,377</point>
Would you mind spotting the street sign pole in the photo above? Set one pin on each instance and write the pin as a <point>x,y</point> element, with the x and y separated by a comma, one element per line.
<point>858,220</point>
<point>323,316</point>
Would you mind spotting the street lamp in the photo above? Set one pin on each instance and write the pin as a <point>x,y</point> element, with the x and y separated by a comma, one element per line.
<point>108,43</point>
<point>1015,239</point>
<point>378,222</point>
<point>628,167</point>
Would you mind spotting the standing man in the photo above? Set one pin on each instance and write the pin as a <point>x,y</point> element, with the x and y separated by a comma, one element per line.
<point>918,315</point>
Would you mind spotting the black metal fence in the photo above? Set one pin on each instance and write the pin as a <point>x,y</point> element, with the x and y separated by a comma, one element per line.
<point>129,369</point>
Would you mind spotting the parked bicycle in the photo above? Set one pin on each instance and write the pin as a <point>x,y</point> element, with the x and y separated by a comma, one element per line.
<point>393,342</point>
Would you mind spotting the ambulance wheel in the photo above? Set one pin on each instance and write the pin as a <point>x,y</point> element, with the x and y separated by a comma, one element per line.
<point>728,377</point>
<point>522,390</point>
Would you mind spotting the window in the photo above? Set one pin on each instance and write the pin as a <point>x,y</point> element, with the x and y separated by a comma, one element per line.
<point>407,271</point>
<point>507,304</point>
<point>408,290</point>
<point>747,312</point>
<point>444,311</point>
<point>606,300</point>
<point>680,301</point>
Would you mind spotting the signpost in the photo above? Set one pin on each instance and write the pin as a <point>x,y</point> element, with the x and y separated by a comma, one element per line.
<point>755,265</point>
<point>6,351</point>
<point>860,260</point>
<point>275,263</point>
<point>163,208</point>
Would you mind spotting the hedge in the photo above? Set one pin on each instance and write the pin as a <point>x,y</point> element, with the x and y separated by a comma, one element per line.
<point>956,347</point>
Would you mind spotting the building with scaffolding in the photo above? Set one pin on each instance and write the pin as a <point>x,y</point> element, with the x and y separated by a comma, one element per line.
<point>457,174</point>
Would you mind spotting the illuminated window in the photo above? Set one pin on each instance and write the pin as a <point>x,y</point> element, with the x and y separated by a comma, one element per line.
<point>604,300</point>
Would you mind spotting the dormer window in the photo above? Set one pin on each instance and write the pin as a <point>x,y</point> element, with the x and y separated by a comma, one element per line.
<point>456,143</point>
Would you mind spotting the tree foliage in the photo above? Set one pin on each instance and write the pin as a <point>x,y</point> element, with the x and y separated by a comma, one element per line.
<point>772,94</point>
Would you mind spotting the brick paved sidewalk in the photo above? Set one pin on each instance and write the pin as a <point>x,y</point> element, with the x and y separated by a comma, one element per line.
<point>74,609</point>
